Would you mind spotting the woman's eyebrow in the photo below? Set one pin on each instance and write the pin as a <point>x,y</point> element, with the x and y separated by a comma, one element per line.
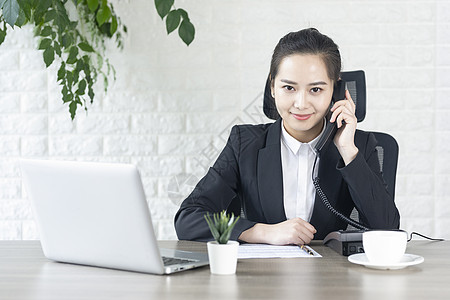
<point>310,84</point>
<point>318,83</point>
<point>288,81</point>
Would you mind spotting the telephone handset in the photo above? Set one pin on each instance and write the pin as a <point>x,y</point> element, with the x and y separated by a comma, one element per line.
<point>327,136</point>
<point>331,128</point>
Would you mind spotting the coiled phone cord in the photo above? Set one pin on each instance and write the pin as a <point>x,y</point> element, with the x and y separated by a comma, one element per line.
<point>327,203</point>
<point>355,224</point>
<point>332,209</point>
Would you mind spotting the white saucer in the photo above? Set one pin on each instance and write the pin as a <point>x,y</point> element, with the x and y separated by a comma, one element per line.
<point>407,260</point>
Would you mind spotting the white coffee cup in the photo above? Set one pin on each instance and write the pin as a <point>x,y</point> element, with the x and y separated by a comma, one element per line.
<point>384,247</point>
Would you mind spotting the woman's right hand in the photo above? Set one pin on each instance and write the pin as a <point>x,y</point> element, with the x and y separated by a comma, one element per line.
<point>294,231</point>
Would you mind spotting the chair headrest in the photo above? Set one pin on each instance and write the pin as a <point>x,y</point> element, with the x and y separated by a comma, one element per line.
<point>355,83</point>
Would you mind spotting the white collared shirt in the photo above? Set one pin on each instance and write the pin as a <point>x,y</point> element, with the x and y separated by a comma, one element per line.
<point>297,160</point>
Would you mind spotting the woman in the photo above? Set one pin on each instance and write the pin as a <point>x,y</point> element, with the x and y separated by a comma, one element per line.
<point>265,171</point>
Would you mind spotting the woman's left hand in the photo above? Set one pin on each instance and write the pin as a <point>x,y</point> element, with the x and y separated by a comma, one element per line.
<point>344,110</point>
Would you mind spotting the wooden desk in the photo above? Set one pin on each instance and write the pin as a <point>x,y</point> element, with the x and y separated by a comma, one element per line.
<point>26,274</point>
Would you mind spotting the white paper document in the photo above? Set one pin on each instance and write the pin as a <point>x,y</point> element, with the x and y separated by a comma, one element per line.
<point>271,251</point>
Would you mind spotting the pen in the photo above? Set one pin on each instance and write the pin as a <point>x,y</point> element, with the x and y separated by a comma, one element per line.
<point>304,248</point>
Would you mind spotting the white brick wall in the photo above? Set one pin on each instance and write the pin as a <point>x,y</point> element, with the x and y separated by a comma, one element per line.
<point>172,106</point>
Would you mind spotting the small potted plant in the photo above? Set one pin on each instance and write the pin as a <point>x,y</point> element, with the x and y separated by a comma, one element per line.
<point>222,253</point>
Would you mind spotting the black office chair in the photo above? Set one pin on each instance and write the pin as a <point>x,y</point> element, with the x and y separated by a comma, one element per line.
<point>387,147</point>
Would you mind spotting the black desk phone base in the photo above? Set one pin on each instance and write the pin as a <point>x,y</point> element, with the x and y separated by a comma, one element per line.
<point>345,242</point>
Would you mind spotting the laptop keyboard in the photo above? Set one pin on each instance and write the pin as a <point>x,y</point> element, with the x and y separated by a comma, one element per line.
<point>169,261</point>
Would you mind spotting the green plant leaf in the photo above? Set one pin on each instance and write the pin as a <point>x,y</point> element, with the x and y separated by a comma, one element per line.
<point>61,72</point>
<point>10,11</point>
<point>41,7</point>
<point>44,44</point>
<point>50,15</point>
<point>73,24</point>
<point>22,19</point>
<point>73,52</point>
<point>66,40</point>
<point>183,14</point>
<point>114,25</point>
<point>221,226</point>
<point>106,29</point>
<point>91,93</point>
<point>57,48</point>
<point>186,31</point>
<point>87,59</point>
<point>80,65</point>
<point>69,79</point>
<point>76,76</point>
<point>73,109</point>
<point>26,6</point>
<point>215,233</point>
<point>173,20</point>
<point>2,36</point>
<point>46,31</point>
<point>81,87</point>
<point>93,5</point>
<point>85,47</point>
<point>67,97</point>
<point>103,15</point>
<point>88,77</point>
<point>163,7</point>
<point>61,19</point>
<point>49,56</point>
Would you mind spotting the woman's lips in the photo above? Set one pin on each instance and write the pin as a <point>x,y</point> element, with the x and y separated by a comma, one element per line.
<point>301,117</point>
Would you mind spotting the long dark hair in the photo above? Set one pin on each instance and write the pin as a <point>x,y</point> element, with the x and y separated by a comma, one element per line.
<point>307,41</point>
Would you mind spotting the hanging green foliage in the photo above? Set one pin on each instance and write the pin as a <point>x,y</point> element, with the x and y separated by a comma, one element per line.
<point>176,18</point>
<point>77,43</point>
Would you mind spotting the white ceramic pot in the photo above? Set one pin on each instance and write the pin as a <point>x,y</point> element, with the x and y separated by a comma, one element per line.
<point>223,257</point>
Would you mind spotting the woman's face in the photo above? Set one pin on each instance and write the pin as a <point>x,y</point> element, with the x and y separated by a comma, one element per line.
<point>302,92</point>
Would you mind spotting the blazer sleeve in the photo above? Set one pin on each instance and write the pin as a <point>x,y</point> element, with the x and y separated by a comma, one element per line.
<point>214,193</point>
<point>368,190</point>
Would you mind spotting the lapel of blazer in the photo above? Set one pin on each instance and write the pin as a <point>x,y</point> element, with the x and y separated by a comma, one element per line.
<point>270,176</point>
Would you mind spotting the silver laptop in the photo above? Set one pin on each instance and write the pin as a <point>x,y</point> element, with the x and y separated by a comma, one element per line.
<point>96,214</point>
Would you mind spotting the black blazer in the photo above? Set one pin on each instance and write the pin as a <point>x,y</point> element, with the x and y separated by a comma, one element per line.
<point>247,179</point>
